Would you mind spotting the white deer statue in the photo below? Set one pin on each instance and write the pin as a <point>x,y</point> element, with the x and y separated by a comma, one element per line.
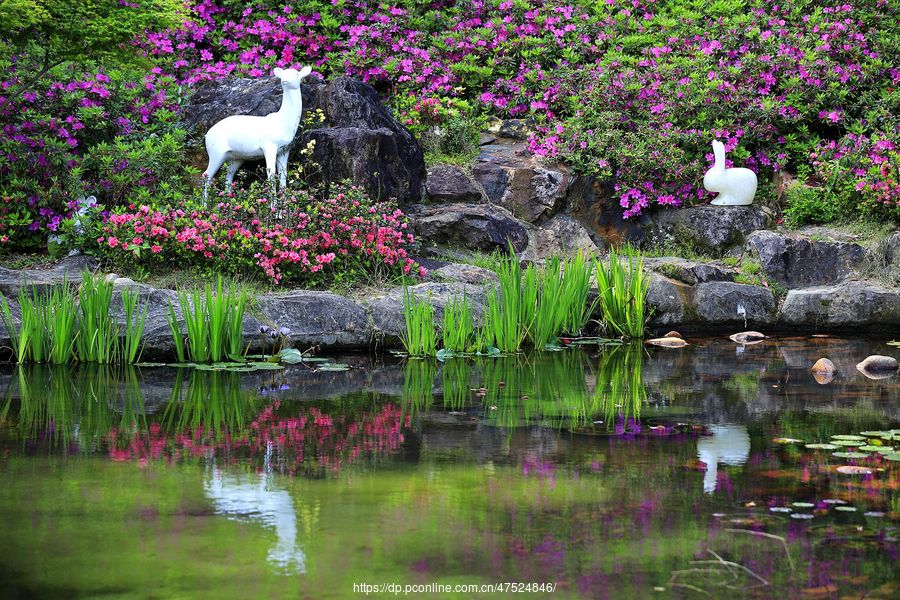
<point>243,137</point>
<point>736,186</point>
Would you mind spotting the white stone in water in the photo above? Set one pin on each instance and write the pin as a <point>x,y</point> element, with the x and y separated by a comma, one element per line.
<point>877,363</point>
<point>736,186</point>
<point>243,137</point>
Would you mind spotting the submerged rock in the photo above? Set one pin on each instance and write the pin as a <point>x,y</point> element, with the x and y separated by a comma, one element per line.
<point>667,342</point>
<point>747,337</point>
<point>824,365</point>
<point>878,364</point>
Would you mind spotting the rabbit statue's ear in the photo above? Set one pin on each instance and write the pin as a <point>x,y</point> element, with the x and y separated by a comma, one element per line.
<point>278,72</point>
<point>305,71</point>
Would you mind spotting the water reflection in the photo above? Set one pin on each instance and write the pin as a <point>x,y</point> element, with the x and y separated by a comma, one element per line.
<point>539,467</point>
<point>727,444</point>
<point>259,498</point>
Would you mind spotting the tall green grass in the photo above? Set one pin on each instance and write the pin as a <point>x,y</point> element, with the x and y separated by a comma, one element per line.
<point>98,335</point>
<point>135,319</point>
<point>458,332</point>
<point>60,316</point>
<point>11,330</point>
<point>420,338</point>
<point>509,312</point>
<point>213,319</point>
<point>622,285</point>
<point>48,327</point>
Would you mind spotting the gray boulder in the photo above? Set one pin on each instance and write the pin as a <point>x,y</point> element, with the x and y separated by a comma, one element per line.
<point>520,182</point>
<point>845,305</point>
<point>473,226</point>
<point>450,183</point>
<point>386,311</point>
<point>688,271</point>
<point>709,229</point>
<point>797,261</point>
<point>317,319</point>
<point>462,273</point>
<point>562,235</point>
<point>359,139</point>
<point>670,302</point>
<point>725,302</point>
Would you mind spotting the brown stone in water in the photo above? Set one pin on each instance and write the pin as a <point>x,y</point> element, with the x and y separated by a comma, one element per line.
<point>673,334</point>
<point>668,342</point>
<point>823,377</point>
<point>747,337</point>
<point>878,364</point>
<point>823,365</point>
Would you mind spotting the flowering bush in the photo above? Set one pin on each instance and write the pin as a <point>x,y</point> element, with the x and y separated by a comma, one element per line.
<point>862,171</point>
<point>291,237</point>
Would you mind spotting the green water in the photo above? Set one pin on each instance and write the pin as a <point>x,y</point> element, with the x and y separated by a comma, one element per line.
<point>609,473</point>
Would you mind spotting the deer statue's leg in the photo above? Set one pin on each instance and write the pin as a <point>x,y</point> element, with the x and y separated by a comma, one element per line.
<point>215,163</point>
<point>270,153</point>
<point>233,166</point>
<point>281,165</point>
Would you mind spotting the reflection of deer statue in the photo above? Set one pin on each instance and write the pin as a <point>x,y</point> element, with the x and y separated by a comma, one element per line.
<point>728,444</point>
<point>243,137</point>
<point>736,186</point>
<point>238,497</point>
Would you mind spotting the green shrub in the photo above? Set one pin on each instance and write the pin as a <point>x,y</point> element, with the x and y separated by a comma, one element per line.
<point>805,205</point>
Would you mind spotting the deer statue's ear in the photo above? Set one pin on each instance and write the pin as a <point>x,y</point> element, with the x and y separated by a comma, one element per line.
<point>305,71</point>
<point>278,72</point>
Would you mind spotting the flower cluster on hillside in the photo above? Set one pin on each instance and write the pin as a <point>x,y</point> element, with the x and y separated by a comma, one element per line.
<point>631,91</point>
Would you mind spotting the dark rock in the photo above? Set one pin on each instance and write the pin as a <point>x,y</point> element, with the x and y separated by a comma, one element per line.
<point>386,311</point>
<point>67,270</point>
<point>720,302</point>
<point>447,420</point>
<point>796,261</point>
<point>473,226</point>
<point>358,139</point>
<point>562,236</point>
<point>849,304</point>
<point>462,273</point>
<point>515,129</point>
<point>592,201</point>
<point>485,138</point>
<point>688,271</point>
<point>670,302</point>
<point>318,319</point>
<point>449,183</point>
<point>520,182</point>
<point>709,229</point>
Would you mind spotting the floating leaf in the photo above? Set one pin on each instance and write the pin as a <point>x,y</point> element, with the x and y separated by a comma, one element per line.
<point>881,449</point>
<point>334,367</point>
<point>780,509</point>
<point>848,437</point>
<point>150,364</point>
<point>444,354</point>
<point>850,455</point>
<point>845,508</point>
<point>803,504</point>
<point>801,516</point>
<point>784,440</point>
<point>874,433</point>
<point>853,470</point>
<point>848,443</point>
<point>874,513</point>
<point>182,365</point>
<point>834,501</point>
<point>821,446</point>
<point>892,456</point>
<point>290,356</point>
<point>265,366</point>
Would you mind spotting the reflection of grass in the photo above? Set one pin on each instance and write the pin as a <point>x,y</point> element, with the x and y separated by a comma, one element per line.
<point>620,387</point>
<point>212,400</point>
<point>418,383</point>
<point>455,374</point>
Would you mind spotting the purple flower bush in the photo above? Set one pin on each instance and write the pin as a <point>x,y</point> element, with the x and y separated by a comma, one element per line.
<point>631,91</point>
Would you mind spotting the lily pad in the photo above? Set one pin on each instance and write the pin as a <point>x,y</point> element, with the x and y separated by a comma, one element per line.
<point>780,509</point>
<point>821,446</point>
<point>265,366</point>
<point>803,505</point>
<point>834,501</point>
<point>848,443</point>
<point>150,364</point>
<point>801,516</point>
<point>290,356</point>
<point>785,440</point>
<point>848,437</point>
<point>853,470</point>
<point>892,456</point>
<point>874,433</point>
<point>877,514</point>
<point>845,508</point>
<point>881,449</point>
<point>850,455</point>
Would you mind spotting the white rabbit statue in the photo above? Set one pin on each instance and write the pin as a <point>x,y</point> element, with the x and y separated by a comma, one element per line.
<point>243,137</point>
<point>736,186</point>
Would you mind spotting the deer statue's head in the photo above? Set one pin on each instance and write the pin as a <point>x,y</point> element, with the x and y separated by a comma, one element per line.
<point>291,78</point>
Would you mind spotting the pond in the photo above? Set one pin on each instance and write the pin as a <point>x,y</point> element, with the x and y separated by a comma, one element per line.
<point>604,472</point>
